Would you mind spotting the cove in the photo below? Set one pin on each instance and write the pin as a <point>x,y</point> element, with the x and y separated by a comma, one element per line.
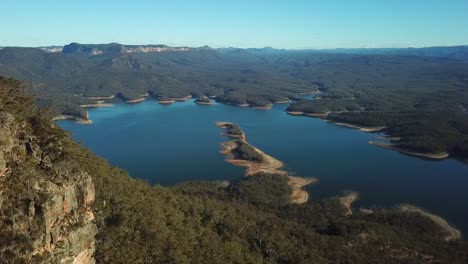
<point>167,144</point>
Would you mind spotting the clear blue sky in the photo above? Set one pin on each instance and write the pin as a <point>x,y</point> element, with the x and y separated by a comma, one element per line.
<point>239,23</point>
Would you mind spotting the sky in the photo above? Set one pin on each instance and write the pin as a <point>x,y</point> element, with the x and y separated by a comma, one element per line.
<point>291,24</point>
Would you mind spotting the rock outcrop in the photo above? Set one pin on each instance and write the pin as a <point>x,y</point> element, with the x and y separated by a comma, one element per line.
<point>45,205</point>
<point>116,48</point>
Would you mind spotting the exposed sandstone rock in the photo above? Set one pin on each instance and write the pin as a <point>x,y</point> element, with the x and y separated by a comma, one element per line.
<point>45,211</point>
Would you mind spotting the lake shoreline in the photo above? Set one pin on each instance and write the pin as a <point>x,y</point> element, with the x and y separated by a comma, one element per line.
<point>101,97</point>
<point>135,101</point>
<point>96,105</point>
<point>323,116</point>
<point>266,107</point>
<point>200,102</point>
<point>452,233</point>
<point>166,102</point>
<point>78,120</point>
<point>294,141</point>
<point>435,156</point>
<point>360,128</point>
<point>300,113</point>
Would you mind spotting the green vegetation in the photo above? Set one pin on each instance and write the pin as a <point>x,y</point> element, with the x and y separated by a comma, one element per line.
<point>249,221</point>
<point>244,151</point>
<point>264,190</point>
<point>422,99</point>
<point>67,79</point>
<point>233,129</point>
<point>204,100</point>
<point>324,106</point>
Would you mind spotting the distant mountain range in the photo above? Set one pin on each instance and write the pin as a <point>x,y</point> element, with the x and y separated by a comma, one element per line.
<point>450,52</point>
<point>66,76</point>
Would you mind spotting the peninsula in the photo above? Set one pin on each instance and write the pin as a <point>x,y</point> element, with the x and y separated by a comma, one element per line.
<point>240,153</point>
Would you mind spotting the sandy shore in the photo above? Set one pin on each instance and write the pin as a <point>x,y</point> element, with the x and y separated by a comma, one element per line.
<point>299,195</point>
<point>441,155</point>
<point>364,129</point>
<point>83,121</point>
<point>101,97</point>
<point>96,105</point>
<point>283,102</point>
<point>267,107</point>
<point>63,117</point>
<point>243,105</point>
<point>295,112</point>
<point>451,232</point>
<point>78,120</point>
<point>268,165</point>
<point>166,102</point>
<point>135,101</point>
<point>347,201</point>
<point>319,115</point>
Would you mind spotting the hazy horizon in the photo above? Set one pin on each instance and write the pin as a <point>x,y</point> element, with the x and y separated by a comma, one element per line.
<point>245,24</point>
<point>227,47</point>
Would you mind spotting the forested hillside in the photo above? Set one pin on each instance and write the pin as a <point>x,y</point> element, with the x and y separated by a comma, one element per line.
<point>420,102</point>
<point>420,96</point>
<point>67,79</point>
<point>249,221</point>
<point>452,52</point>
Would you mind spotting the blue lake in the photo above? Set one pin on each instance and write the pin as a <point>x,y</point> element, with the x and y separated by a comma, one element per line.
<point>167,144</point>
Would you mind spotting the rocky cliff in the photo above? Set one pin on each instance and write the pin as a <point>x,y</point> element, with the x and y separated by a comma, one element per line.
<point>98,49</point>
<point>45,201</point>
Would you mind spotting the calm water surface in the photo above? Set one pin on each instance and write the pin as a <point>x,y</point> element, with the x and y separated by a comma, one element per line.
<point>180,142</point>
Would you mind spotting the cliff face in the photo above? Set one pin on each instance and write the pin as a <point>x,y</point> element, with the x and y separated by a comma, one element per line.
<point>45,201</point>
<point>98,49</point>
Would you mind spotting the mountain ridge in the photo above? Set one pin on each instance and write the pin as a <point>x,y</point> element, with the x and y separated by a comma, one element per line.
<point>458,52</point>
